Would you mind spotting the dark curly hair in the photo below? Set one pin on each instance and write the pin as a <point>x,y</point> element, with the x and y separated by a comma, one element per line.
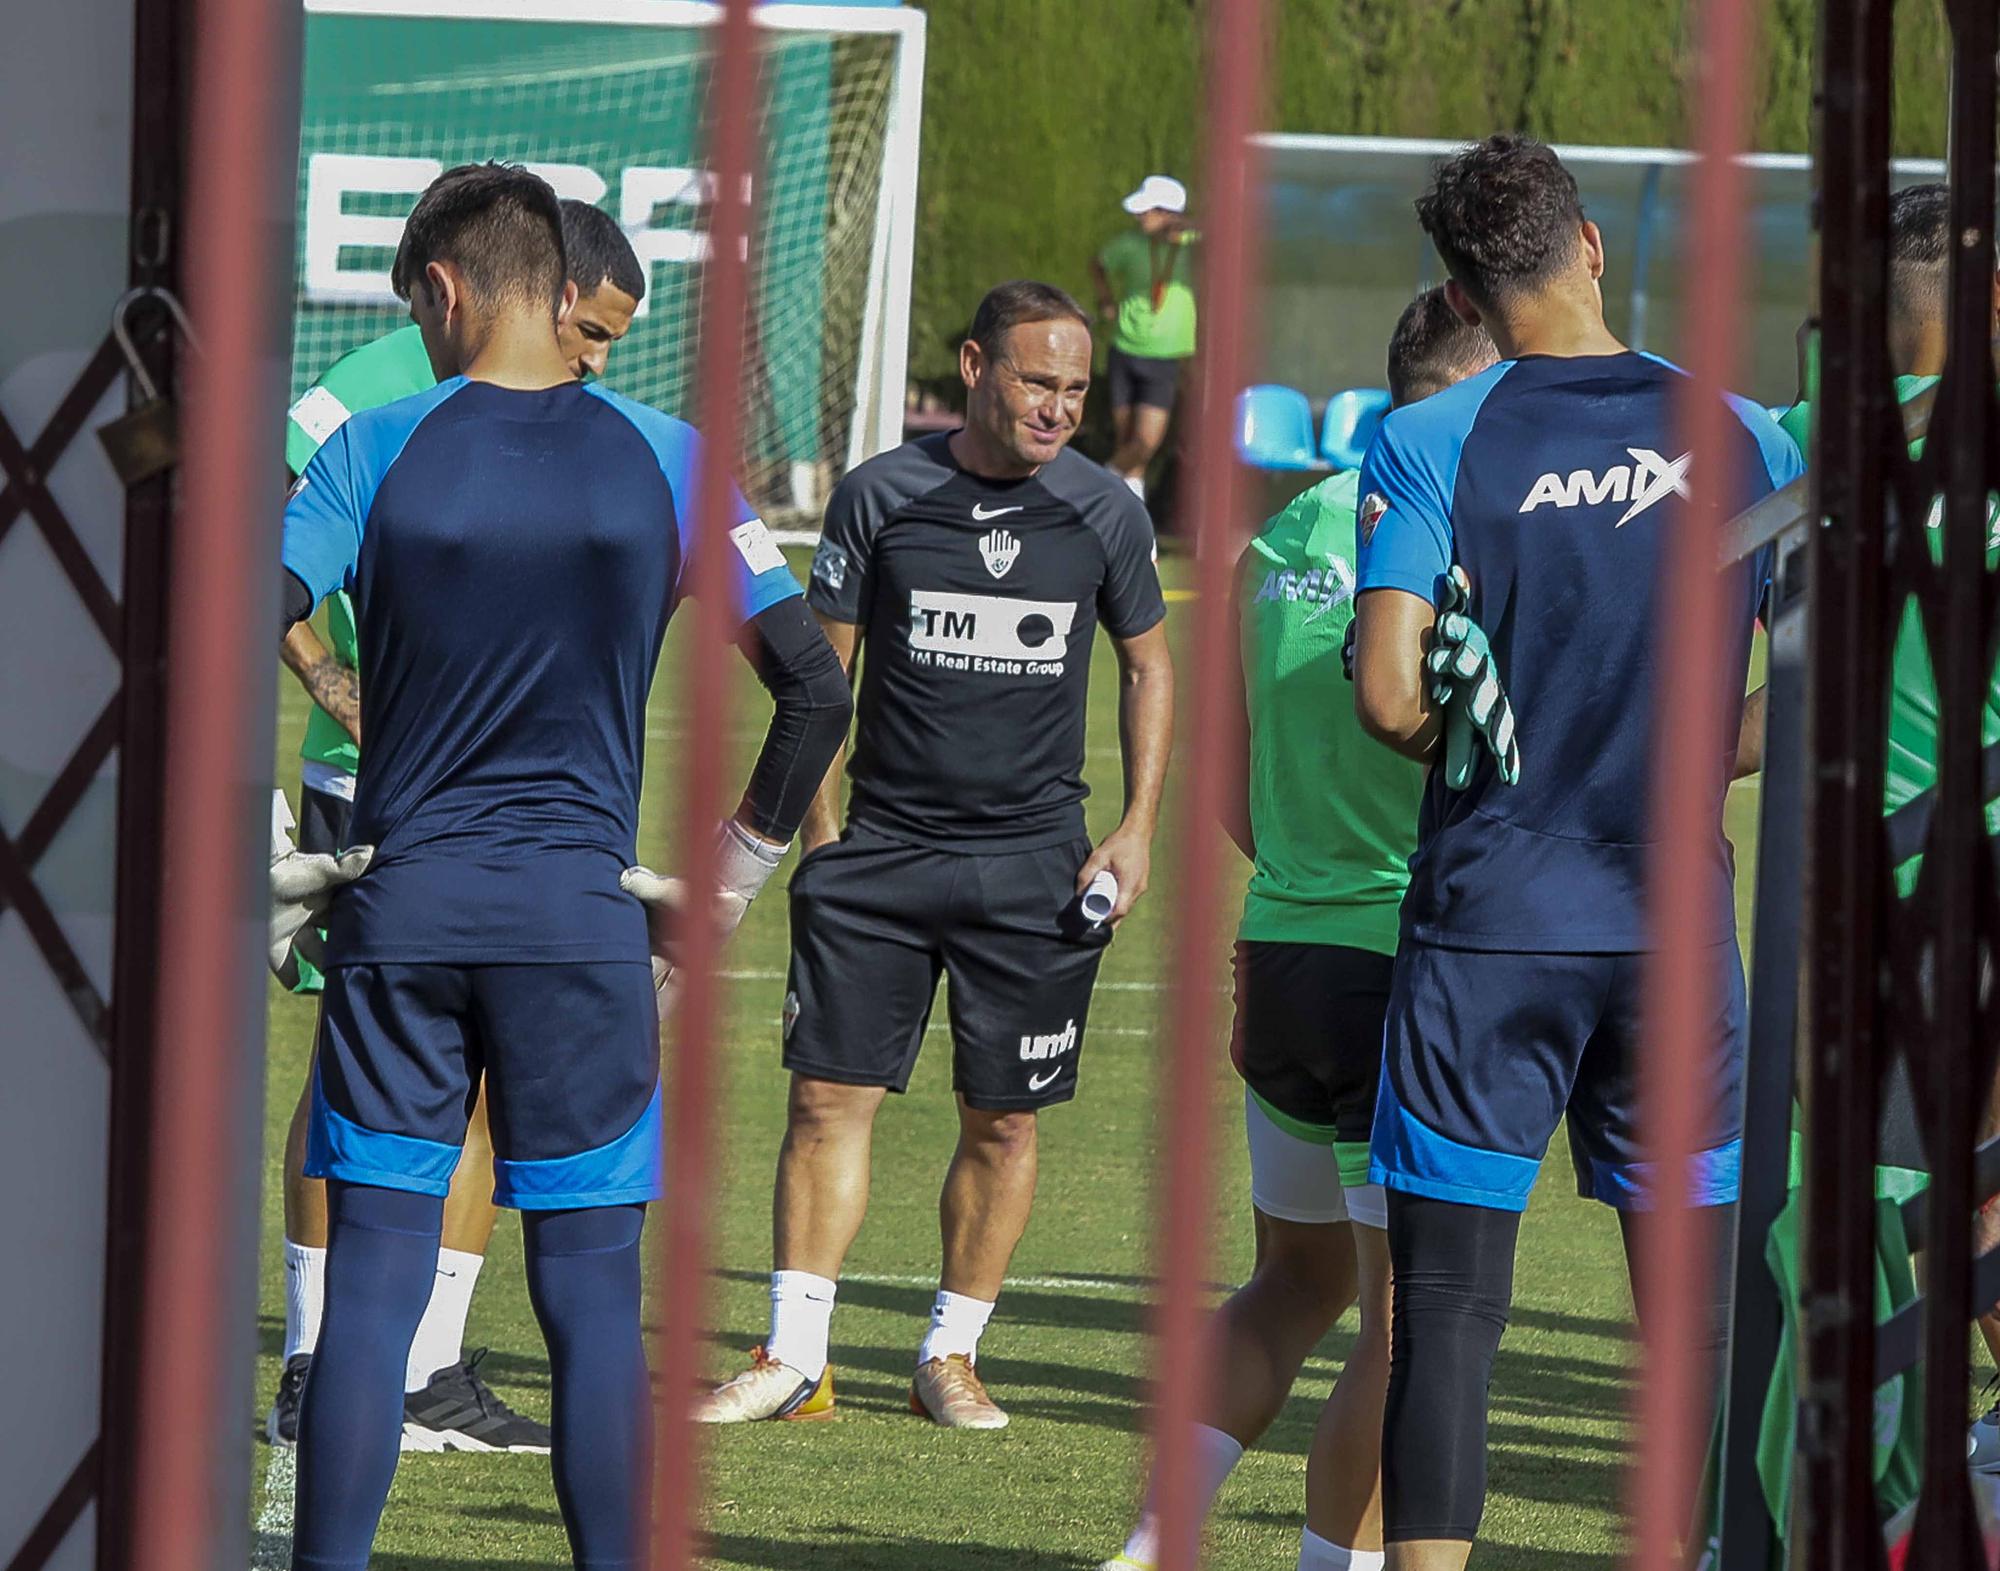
<point>1504,214</point>
<point>499,224</point>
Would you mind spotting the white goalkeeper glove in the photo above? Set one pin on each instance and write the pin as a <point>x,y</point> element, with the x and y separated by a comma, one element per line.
<point>303,885</point>
<point>744,863</point>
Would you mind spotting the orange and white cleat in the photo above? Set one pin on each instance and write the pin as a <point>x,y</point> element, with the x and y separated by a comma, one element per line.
<point>767,1389</point>
<point>948,1391</point>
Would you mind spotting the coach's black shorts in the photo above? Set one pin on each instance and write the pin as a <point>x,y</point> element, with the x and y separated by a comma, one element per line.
<point>323,820</point>
<point>1141,379</point>
<point>876,921</point>
<point>1308,1037</point>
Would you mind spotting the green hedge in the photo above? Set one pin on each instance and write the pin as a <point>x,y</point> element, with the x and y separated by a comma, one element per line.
<point>1040,114</point>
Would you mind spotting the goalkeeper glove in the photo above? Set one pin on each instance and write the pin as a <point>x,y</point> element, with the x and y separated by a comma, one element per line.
<point>743,865</point>
<point>1465,684</point>
<point>303,885</point>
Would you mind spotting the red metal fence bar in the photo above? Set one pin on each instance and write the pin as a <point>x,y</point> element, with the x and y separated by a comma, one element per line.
<point>691,1119</point>
<point>1681,997</point>
<point>1231,198</point>
<point>189,1479</point>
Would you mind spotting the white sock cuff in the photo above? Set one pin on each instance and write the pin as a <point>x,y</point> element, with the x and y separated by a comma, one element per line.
<point>460,1262</point>
<point>305,1278</point>
<point>801,1284</point>
<point>1216,1446</point>
<point>961,1309</point>
<point>1323,1554</point>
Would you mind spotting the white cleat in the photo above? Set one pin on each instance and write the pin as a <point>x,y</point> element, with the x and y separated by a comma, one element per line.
<point>767,1389</point>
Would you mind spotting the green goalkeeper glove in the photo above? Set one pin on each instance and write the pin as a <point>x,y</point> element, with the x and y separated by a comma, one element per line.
<point>743,865</point>
<point>303,885</point>
<point>1465,684</point>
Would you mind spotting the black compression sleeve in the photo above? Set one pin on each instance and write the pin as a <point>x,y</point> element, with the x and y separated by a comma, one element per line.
<point>296,599</point>
<point>812,705</point>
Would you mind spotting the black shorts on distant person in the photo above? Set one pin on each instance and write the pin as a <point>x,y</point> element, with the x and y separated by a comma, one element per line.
<point>876,922</point>
<point>1308,1037</point>
<point>1140,379</point>
<point>323,820</point>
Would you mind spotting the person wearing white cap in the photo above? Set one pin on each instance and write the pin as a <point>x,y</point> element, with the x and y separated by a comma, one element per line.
<point>1145,289</point>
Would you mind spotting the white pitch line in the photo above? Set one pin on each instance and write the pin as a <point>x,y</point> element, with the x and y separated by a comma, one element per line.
<point>273,1549</point>
<point>1102,987</point>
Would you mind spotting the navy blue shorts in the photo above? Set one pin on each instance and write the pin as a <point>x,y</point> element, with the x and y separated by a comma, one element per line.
<point>571,1057</point>
<point>1486,1052</point>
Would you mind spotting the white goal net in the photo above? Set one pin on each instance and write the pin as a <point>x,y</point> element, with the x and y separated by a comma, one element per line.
<point>609,101</point>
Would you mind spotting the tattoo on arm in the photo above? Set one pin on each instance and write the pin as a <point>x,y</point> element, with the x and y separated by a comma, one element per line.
<point>336,688</point>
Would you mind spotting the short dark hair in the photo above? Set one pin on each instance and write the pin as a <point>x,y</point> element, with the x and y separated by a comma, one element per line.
<point>1919,250</point>
<point>598,251</point>
<point>498,224</point>
<point>1433,347</point>
<point>1504,214</point>
<point>1014,304</point>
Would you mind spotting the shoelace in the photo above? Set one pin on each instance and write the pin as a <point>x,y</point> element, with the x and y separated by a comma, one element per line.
<point>490,1405</point>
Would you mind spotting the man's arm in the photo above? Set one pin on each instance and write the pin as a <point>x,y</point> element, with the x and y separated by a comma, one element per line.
<point>1393,631</point>
<point>334,687</point>
<point>811,706</point>
<point>822,821</point>
<point>1107,300</point>
<point>1145,738</point>
<point>1750,735</point>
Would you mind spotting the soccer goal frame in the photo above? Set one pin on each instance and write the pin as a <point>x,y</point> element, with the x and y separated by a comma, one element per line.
<point>882,362</point>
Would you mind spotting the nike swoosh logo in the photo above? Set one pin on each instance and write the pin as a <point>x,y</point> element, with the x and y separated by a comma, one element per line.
<point>980,514</point>
<point>1036,1082</point>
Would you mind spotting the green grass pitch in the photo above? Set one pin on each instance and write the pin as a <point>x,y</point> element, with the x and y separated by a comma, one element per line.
<point>1067,1354</point>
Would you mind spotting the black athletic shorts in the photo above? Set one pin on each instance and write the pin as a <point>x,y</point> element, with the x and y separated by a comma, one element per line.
<point>876,921</point>
<point>323,820</point>
<point>1308,1036</point>
<point>1140,379</point>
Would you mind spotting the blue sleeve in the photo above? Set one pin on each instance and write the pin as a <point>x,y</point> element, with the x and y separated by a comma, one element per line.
<point>1402,524</point>
<point>327,512</point>
<point>323,518</point>
<point>758,576</point>
<point>1783,463</point>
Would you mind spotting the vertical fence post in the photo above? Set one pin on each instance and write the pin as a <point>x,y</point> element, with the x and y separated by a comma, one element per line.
<point>1833,1513</point>
<point>1951,1062</point>
<point>1231,196</point>
<point>691,1118</point>
<point>189,1507</point>
<point>1682,1003</point>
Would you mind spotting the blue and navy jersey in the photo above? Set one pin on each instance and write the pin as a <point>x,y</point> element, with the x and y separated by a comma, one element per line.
<point>1556,483</point>
<point>513,557</point>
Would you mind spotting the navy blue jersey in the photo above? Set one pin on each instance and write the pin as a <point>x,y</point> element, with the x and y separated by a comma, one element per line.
<point>513,558</point>
<point>1555,483</point>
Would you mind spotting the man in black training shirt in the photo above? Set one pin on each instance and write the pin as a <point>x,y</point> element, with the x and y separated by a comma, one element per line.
<point>979,565</point>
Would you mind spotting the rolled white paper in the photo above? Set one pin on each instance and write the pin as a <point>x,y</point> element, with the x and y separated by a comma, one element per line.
<point>1100,896</point>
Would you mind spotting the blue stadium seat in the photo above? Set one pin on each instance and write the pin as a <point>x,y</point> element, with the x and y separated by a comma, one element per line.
<point>1351,420</point>
<point>1274,428</point>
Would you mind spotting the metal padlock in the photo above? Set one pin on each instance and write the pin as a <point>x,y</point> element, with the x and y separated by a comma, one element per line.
<point>145,440</point>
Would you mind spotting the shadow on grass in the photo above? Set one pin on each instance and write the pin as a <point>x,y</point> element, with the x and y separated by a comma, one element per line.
<point>844,1546</point>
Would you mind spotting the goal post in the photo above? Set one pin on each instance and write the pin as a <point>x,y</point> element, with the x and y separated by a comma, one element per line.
<point>609,101</point>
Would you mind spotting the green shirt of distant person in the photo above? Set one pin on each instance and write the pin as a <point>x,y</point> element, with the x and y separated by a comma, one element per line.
<point>391,367</point>
<point>1151,274</point>
<point>1913,700</point>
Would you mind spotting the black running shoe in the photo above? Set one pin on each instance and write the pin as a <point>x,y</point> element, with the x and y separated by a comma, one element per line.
<point>457,1411</point>
<point>282,1427</point>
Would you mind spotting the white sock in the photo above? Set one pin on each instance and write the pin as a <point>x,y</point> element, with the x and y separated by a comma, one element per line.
<point>957,1323</point>
<point>1322,1554</point>
<point>801,1320</point>
<point>440,1339</point>
<point>1137,483</point>
<point>1215,1457</point>
<point>305,1296</point>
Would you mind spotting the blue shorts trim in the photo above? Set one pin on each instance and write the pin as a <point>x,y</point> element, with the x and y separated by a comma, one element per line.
<point>337,1147</point>
<point>1714,1178</point>
<point>1406,1154</point>
<point>625,1171</point>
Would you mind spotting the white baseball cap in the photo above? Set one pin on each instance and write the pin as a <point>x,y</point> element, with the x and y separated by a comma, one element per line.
<point>1162,191</point>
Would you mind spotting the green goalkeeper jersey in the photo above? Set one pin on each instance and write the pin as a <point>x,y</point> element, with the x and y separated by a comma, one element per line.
<point>1334,812</point>
<point>1913,702</point>
<point>391,367</point>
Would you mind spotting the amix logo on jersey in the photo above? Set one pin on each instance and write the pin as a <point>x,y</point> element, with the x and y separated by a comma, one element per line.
<point>991,633</point>
<point>1649,478</point>
<point>1322,588</point>
<point>1052,1046</point>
